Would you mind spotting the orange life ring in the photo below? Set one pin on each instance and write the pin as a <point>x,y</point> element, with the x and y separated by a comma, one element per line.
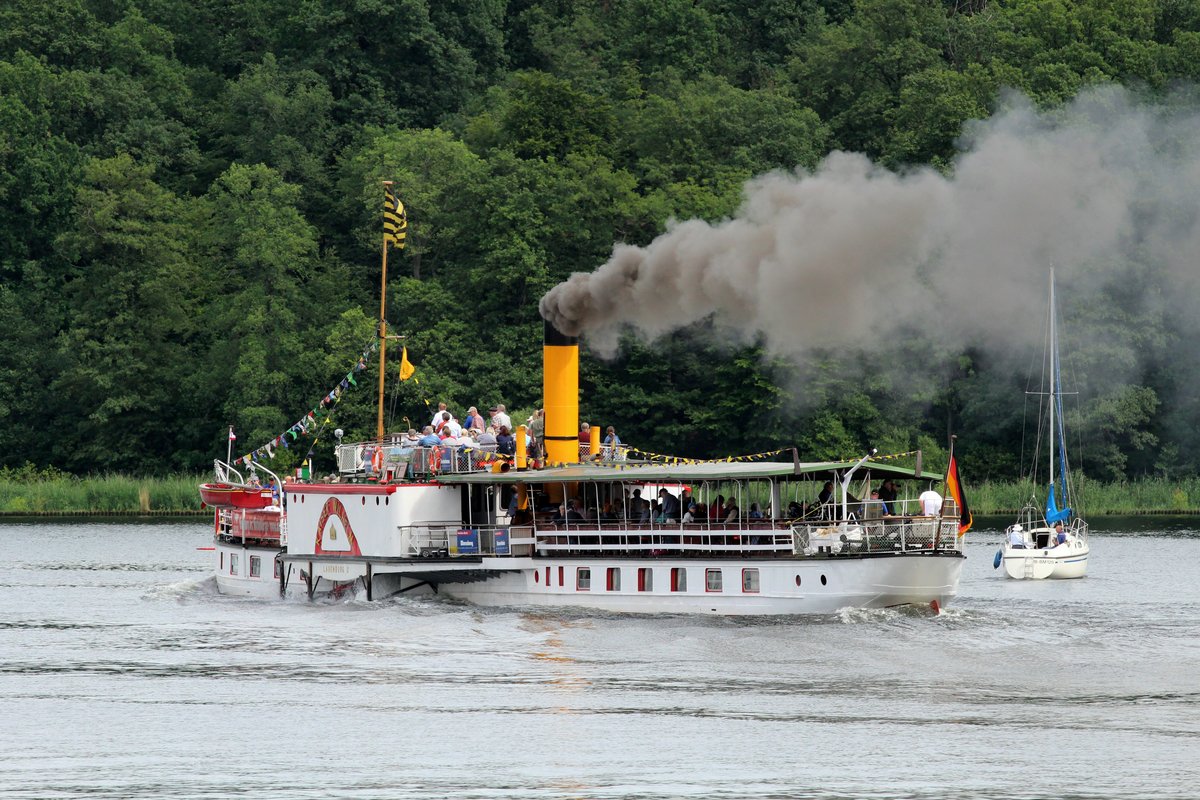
<point>377,461</point>
<point>435,460</point>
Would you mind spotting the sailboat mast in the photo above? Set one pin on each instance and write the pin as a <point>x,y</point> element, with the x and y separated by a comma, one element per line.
<point>1053,370</point>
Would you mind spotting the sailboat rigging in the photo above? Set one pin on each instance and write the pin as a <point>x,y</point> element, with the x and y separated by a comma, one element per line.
<point>1052,543</point>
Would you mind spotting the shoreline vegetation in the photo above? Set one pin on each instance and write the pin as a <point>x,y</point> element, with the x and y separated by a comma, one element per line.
<point>29,492</point>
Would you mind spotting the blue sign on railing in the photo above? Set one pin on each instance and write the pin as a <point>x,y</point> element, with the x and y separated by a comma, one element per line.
<point>466,542</point>
<point>502,541</point>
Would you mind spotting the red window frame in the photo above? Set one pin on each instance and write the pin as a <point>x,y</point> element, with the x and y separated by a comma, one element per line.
<point>613,579</point>
<point>745,572</point>
<point>720,575</point>
<point>676,574</point>
<point>645,579</point>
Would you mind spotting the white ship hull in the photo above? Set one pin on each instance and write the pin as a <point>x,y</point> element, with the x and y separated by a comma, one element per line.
<point>246,570</point>
<point>783,588</point>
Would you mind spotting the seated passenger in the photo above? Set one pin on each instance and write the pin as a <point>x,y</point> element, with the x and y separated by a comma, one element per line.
<point>573,512</point>
<point>755,513</point>
<point>1060,536</point>
<point>506,444</point>
<point>689,516</point>
<point>795,510</point>
<point>429,438</point>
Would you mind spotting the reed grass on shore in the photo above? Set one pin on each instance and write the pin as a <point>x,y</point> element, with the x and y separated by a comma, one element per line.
<point>1143,496</point>
<point>31,492</point>
<point>26,492</point>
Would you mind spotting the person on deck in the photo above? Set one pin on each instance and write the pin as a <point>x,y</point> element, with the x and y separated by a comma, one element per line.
<point>429,438</point>
<point>487,440</point>
<point>668,506</point>
<point>1016,537</point>
<point>825,501</point>
<point>887,493</point>
<point>506,443</point>
<point>930,503</point>
<point>1060,536</point>
<point>689,516</point>
<point>437,415</point>
<point>499,418</point>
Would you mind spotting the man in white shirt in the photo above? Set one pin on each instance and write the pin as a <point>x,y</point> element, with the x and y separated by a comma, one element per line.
<point>1016,537</point>
<point>437,415</point>
<point>931,503</point>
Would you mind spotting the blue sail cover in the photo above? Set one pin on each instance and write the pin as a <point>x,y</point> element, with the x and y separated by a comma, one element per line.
<point>1053,512</point>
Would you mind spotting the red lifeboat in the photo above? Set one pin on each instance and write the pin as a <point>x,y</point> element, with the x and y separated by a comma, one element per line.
<point>228,495</point>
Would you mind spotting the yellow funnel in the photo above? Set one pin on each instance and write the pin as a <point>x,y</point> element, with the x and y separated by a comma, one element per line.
<point>560,387</point>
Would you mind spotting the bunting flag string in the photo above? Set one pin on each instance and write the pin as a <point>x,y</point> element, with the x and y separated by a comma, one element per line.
<point>318,414</point>
<point>891,457</point>
<point>659,457</point>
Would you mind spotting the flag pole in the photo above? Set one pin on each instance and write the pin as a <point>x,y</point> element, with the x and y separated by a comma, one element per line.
<point>382,329</point>
<point>229,446</point>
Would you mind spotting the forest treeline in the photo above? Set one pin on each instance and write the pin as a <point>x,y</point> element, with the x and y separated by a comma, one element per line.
<point>191,200</point>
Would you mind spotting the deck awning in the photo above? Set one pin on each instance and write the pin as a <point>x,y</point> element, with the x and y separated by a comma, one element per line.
<point>687,473</point>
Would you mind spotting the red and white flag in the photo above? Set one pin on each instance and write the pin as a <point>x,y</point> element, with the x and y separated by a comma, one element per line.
<point>232,437</point>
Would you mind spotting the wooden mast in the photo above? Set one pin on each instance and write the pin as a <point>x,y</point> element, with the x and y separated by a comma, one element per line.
<point>382,327</point>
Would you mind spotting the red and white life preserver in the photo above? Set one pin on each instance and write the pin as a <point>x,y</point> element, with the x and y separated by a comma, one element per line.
<point>435,460</point>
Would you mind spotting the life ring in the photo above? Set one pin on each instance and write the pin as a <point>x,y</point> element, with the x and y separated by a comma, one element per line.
<point>377,461</point>
<point>435,460</point>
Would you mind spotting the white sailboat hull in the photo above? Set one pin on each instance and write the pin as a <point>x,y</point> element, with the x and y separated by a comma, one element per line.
<point>1067,560</point>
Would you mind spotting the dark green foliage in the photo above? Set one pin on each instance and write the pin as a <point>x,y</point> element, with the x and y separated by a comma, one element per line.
<point>190,217</point>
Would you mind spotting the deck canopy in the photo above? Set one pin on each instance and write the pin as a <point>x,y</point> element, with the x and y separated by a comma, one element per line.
<point>688,472</point>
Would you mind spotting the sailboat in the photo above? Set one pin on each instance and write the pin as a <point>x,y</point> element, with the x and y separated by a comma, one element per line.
<point>1049,543</point>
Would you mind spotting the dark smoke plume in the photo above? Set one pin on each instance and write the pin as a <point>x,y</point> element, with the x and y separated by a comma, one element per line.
<point>853,253</point>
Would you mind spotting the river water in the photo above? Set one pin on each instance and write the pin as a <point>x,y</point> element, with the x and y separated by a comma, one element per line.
<point>123,674</point>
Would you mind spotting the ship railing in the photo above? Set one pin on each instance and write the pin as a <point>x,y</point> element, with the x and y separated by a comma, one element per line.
<point>448,539</point>
<point>451,538</point>
<point>605,453</point>
<point>400,458</point>
<point>883,535</point>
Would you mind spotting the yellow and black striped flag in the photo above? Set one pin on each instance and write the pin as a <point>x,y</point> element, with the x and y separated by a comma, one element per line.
<point>395,221</point>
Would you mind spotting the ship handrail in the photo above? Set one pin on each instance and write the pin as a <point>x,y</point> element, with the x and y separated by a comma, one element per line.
<point>819,539</point>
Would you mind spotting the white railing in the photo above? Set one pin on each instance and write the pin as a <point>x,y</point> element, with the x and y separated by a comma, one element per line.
<point>399,459</point>
<point>779,537</point>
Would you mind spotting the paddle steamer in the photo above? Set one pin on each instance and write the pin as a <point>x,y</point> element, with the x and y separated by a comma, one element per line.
<point>463,524</point>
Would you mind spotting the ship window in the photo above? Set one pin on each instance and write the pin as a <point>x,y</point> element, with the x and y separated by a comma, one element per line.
<point>560,576</point>
<point>712,580</point>
<point>583,579</point>
<point>822,580</point>
<point>547,577</point>
<point>222,560</point>
<point>678,579</point>
<point>645,579</point>
<point>614,579</point>
<point>797,580</point>
<point>537,576</point>
<point>364,501</point>
<point>387,500</point>
<point>376,501</point>
<point>278,569</point>
<point>233,567</point>
<point>255,567</point>
<point>750,580</point>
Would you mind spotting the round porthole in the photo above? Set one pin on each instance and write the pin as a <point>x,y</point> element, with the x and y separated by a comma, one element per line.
<point>797,580</point>
<point>823,581</point>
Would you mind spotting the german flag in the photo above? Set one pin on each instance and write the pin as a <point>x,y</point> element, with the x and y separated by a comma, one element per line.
<point>954,489</point>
